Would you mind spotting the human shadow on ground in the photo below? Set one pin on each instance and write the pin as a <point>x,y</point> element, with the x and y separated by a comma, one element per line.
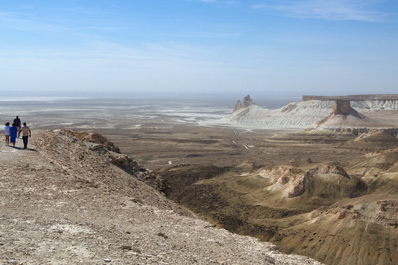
<point>25,149</point>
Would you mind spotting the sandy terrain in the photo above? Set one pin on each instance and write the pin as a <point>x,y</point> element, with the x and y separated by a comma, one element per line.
<point>224,146</point>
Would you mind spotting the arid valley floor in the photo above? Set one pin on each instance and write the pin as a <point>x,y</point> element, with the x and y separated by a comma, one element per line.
<point>330,196</point>
<point>221,173</point>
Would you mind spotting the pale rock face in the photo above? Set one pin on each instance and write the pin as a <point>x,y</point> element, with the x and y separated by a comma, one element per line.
<point>317,114</point>
<point>332,180</point>
<point>296,115</point>
<point>375,104</point>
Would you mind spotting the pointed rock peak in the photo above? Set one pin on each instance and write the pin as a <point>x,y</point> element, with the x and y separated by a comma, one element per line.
<point>238,106</point>
<point>247,101</point>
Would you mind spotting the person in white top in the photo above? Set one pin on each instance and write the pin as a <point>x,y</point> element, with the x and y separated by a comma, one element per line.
<point>26,133</point>
<point>7,133</point>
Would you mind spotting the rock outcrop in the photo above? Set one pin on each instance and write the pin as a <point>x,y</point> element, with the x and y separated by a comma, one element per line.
<point>143,174</point>
<point>374,140</point>
<point>368,223</point>
<point>343,107</point>
<point>328,183</point>
<point>94,137</point>
<point>345,118</point>
<point>339,215</point>
<point>247,101</point>
<point>238,106</point>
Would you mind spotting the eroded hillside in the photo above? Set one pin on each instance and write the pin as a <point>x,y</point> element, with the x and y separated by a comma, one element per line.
<point>340,113</point>
<point>68,201</point>
<point>339,212</point>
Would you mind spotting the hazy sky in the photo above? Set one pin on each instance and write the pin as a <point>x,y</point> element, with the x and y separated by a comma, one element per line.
<point>276,47</point>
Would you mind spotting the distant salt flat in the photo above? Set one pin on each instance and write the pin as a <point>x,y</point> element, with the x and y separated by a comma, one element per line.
<point>96,126</point>
<point>196,110</point>
<point>96,113</point>
<point>180,121</point>
<point>142,116</point>
<point>47,99</point>
<point>61,109</point>
<point>134,127</point>
<point>198,114</point>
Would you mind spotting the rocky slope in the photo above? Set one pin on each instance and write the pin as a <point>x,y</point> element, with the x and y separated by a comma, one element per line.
<point>339,213</point>
<point>68,201</point>
<point>374,140</point>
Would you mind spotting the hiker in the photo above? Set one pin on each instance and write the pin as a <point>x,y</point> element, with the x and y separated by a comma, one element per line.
<point>26,133</point>
<point>13,134</point>
<point>7,133</point>
<point>17,122</point>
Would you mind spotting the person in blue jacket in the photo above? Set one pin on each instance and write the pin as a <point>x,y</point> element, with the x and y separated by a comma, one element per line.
<point>13,134</point>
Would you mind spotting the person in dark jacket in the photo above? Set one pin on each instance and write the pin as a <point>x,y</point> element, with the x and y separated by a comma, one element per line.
<point>17,122</point>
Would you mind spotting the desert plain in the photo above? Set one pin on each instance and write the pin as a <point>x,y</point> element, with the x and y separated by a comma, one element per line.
<point>331,196</point>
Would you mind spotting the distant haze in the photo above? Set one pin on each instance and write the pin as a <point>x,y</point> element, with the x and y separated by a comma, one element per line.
<point>162,95</point>
<point>194,47</point>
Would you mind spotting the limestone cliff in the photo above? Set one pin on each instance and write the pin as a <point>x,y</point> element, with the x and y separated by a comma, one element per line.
<point>346,113</point>
<point>370,97</point>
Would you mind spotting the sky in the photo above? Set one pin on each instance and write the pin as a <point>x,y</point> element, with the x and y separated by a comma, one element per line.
<point>269,48</point>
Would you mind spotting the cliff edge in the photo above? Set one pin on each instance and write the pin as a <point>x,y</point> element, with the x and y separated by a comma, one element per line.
<point>357,113</point>
<point>68,201</point>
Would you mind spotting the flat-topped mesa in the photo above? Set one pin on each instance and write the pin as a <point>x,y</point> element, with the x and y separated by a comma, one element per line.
<point>247,101</point>
<point>353,97</point>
